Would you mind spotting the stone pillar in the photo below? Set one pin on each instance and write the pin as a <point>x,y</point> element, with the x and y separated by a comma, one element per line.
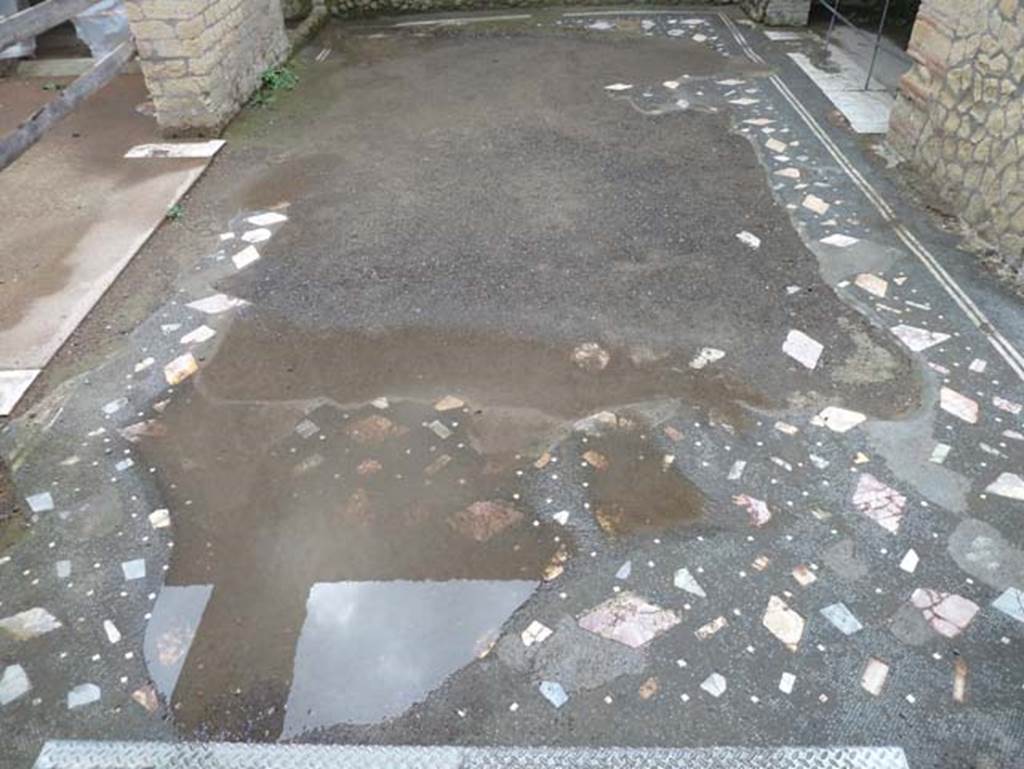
<point>295,10</point>
<point>959,116</point>
<point>202,59</point>
<point>782,13</point>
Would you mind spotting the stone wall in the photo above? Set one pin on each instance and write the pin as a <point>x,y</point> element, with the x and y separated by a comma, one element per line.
<point>202,59</point>
<point>958,118</point>
<point>296,9</point>
<point>790,13</point>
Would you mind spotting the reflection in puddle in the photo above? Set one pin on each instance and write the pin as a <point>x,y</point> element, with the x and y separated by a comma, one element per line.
<point>263,359</point>
<point>175,619</point>
<point>636,487</point>
<point>369,650</point>
<point>274,488</point>
<point>269,501</point>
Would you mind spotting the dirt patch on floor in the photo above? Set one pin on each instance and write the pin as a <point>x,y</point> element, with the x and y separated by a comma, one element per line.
<point>12,520</point>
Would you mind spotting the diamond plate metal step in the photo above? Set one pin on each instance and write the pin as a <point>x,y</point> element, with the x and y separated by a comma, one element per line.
<point>76,754</point>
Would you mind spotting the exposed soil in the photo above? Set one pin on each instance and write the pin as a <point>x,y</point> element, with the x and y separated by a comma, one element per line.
<point>12,522</point>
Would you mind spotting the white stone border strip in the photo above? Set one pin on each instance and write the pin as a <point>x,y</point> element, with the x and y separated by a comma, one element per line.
<point>78,754</point>
<point>1002,345</point>
<point>680,12</point>
<point>177,150</point>
<point>13,384</point>
<point>867,111</point>
<point>454,21</point>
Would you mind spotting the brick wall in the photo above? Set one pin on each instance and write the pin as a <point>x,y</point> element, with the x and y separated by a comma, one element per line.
<point>202,59</point>
<point>959,118</point>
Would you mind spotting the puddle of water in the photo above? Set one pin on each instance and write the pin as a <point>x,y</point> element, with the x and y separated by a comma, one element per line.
<point>370,494</point>
<point>172,626</point>
<point>380,507</point>
<point>282,180</point>
<point>369,650</point>
<point>266,359</point>
<point>636,488</point>
<point>268,502</point>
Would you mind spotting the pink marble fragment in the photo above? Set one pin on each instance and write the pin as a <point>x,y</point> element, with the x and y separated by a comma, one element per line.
<point>757,508</point>
<point>882,504</point>
<point>628,619</point>
<point>949,614</point>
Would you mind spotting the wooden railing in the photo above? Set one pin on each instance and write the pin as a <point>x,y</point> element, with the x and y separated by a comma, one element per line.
<point>30,22</point>
<point>39,18</point>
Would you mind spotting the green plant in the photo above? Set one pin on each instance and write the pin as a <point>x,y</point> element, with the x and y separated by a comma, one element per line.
<point>272,80</point>
<point>175,212</point>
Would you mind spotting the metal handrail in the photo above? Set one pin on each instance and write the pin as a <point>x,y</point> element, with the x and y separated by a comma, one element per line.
<point>834,10</point>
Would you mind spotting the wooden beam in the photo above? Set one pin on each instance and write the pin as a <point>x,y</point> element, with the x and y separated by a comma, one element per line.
<point>39,18</point>
<point>30,131</point>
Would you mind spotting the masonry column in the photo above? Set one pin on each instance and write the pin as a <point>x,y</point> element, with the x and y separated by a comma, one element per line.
<point>783,13</point>
<point>202,59</point>
<point>959,117</point>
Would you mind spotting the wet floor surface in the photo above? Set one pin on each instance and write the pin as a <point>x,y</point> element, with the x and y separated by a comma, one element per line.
<point>376,495</point>
<point>47,276</point>
<point>554,389</point>
<point>538,212</point>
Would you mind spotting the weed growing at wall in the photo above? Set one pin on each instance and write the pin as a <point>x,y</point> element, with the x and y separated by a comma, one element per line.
<point>274,79</point>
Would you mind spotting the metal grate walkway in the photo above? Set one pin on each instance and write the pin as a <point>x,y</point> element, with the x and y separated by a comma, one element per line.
<point>221,755</point>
